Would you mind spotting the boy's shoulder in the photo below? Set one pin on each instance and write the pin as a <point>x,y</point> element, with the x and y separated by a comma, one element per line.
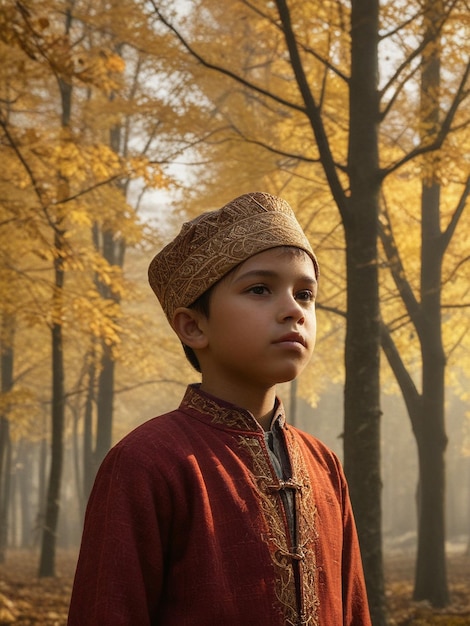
<point>151,449</point>
<point>158,428</point>
<point>317,450</point>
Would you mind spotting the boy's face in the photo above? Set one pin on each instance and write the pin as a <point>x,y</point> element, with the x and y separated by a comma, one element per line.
<point>261,328</point>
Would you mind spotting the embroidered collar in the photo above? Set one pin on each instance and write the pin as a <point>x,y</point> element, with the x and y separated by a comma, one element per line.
<point>209,408</point>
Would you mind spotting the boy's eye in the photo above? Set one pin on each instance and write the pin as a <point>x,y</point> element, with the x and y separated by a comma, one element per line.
<point>258,289</point>
<point>306,295</point>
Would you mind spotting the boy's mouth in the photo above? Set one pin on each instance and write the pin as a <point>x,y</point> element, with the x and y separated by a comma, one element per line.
<point>292,338</point>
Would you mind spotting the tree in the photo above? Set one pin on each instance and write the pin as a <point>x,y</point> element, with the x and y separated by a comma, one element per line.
<point>53,191</point>
<point>72,161</point>
<point>426,408</point>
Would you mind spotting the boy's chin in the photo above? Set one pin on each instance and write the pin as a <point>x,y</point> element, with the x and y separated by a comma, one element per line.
<point>289,376</point>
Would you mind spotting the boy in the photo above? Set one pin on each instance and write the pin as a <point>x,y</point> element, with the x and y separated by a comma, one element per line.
<point>219,513</point>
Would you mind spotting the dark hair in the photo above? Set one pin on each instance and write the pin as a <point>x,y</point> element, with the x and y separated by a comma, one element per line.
<point>202,305</point>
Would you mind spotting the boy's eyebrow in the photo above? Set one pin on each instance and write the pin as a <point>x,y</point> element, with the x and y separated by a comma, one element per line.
<point>308,278</point>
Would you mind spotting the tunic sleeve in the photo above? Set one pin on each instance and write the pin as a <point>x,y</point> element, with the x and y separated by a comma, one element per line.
<point>118,578</point>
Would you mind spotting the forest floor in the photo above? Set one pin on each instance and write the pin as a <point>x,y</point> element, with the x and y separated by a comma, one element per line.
<point>27,600</point>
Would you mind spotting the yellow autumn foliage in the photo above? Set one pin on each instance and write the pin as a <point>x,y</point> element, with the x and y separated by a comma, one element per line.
<point>129,76</point>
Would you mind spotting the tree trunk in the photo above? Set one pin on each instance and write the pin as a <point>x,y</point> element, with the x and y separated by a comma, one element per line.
<point>426,412</point>
<point>362,348</point>
<point>51,520</point>
<point>113,249</point>
<point>6,365</point>
<point>42,487</point>
<point>431,575</point>
<point>467,551</point>
<point>105,405</point>
<point>89,469</point>
<point>24,489</point>
<point>5,484</point>
<point>107,243</point>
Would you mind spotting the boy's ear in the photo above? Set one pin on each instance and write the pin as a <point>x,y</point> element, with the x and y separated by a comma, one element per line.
<point>186,324</point>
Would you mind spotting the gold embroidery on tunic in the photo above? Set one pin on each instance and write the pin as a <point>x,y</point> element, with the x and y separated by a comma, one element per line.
<point>306,530</point>
<point>227,416</point>
<point>276,536</point>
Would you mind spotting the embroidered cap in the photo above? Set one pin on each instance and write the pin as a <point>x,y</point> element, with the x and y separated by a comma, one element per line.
<point>213,243</point>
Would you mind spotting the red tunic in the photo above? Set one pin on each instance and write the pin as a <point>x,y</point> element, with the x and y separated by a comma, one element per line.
<point>186,526</point>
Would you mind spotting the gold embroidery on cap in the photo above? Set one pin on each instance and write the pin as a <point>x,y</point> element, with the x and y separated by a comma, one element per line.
<point>208,247</point>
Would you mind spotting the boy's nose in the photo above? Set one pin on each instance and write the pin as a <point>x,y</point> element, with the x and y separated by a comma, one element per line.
<point>291,309</point>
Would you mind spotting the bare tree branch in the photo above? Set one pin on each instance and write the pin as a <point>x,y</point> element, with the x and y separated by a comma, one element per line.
<point>313,112</point>
<point>462,203</point>
<point>223,70</point>
<point>396,265</point>
<point>410,393</point>
<point>460,95</point>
